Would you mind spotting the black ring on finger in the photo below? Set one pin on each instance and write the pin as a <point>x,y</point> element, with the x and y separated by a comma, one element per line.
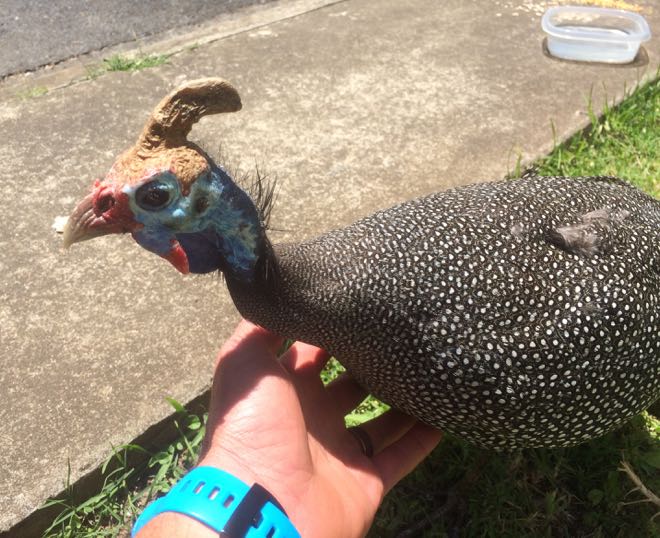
<point>364,439</point>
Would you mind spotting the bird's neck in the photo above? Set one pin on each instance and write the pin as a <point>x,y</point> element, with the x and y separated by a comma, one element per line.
<point>260,299</point>
<point>284,296</point>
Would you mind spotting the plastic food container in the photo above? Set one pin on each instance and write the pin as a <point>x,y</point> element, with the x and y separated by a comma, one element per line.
<point>592,34</point>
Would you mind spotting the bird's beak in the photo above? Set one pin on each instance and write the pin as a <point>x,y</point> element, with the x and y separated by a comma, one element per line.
<point>99,213</point>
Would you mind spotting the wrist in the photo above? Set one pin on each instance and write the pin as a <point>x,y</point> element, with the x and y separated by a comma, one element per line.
<point>222,503</point>
<point>248,472</point>
<point>176,526</point>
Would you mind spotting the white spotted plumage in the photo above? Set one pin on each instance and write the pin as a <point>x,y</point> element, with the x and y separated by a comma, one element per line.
<point>475,311</point>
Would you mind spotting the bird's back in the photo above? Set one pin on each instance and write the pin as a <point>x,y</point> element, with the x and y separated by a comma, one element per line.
<point>513,313</point>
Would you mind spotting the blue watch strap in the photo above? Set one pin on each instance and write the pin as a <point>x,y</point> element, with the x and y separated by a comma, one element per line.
<point>225,504</point>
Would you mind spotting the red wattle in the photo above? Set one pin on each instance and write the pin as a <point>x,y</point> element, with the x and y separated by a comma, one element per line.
<point>177,257</point>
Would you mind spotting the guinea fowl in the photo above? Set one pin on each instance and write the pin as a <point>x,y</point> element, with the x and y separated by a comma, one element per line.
<point>518,313</point>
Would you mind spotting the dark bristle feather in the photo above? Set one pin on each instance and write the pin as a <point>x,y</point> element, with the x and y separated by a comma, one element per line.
<point>263,191</point>
<point>260,186</point>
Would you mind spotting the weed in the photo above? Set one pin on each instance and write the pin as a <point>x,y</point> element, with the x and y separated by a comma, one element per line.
<point>125,63</point>
<point>127,489</point>
<point>624,142</point>
<point>36,91</point>
<point>118,62</point>
<point>368,409</point>
<point>94,71</point>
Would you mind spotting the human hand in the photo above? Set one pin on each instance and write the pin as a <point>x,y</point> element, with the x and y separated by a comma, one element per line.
<point>273,422</point>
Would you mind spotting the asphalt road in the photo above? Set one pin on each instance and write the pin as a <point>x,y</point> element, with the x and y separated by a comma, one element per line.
<point>34,33</point>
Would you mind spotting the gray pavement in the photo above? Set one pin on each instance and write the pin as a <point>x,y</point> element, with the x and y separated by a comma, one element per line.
<point>35,33</point>
<point>353,106</point>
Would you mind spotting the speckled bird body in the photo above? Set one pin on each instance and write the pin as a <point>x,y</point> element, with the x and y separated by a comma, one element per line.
<point>519,313</point>
<point>462,309</point>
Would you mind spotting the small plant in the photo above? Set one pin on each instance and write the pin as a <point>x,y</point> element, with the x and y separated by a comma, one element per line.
<point>517,170</point>
<point>94,71</point>
<point>36,91</point>
<point>624,141</point>
<point>127,488</point>
<point>125,63</point>
<point>118,62</point>
<point>368,409</point>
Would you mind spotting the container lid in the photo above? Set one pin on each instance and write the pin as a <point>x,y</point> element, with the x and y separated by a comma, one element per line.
<point>582,23</point>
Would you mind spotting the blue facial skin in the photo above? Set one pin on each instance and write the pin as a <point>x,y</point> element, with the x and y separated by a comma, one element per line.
<point>203,250</point>
<point>216,224</point>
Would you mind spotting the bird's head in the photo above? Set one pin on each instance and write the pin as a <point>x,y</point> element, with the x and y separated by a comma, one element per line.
<point>170,195</point>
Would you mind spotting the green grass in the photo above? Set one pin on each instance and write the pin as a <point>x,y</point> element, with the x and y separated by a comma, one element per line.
<point>118,62</point>
<point>461,490</point>
<point>30,93</point>
<point>624,142</point>
<point>126,489</point>
<point>125,63</point>
<point>368,409</point>
<point>572,492</point>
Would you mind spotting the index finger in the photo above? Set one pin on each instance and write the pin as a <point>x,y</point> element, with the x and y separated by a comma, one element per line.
<point>250,341</point>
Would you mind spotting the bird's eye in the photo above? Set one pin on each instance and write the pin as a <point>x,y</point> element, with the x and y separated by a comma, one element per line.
<point>153,195</point>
